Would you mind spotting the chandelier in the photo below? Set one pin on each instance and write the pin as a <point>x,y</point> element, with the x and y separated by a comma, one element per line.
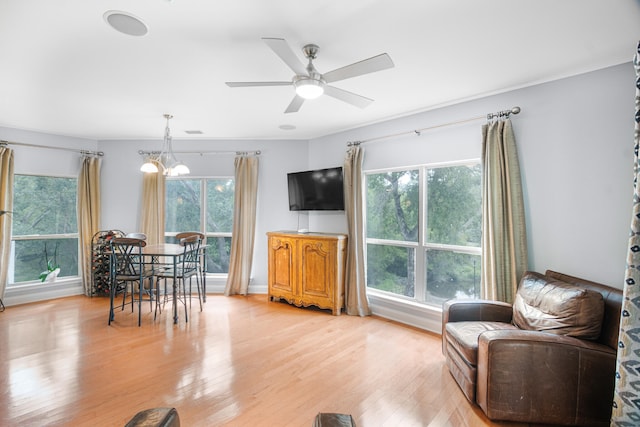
<point>165,158</point>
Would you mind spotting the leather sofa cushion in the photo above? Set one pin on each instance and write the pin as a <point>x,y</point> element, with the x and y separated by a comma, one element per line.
<point>333,420</point>
<point>463,337</point>
<point>550,305</point>
<point>155,417</point>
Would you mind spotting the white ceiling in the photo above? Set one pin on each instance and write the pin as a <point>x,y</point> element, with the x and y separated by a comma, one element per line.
<point>64,71</point>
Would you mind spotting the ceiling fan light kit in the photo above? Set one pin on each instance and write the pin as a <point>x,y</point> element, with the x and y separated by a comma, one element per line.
<point>308,87</point>
<point>310,84</point>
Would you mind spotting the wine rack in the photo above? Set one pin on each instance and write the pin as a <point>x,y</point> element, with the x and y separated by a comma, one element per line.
<point>100,261</point>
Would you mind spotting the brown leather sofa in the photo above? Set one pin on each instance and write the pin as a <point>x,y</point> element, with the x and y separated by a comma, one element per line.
<point>549,358</point>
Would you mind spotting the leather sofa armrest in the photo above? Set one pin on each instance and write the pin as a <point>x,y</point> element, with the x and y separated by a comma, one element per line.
<point>531,376</point>
<point>476,310</point>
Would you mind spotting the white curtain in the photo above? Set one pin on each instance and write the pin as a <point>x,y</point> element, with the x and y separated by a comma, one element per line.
<point>6,206</point>
<point>356,302</point>
<point>504,242</point>
<point>244,225</point>
<point>626,399</point>
<point>88,215</point>
<point>153,199</point>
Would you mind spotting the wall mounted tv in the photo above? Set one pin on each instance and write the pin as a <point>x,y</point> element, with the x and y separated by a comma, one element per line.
<point>316,190</point>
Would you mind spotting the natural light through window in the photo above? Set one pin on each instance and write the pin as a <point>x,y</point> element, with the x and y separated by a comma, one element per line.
<point>423,231</point>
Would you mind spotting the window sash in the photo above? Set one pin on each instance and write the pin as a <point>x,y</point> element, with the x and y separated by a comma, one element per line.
<point>209,235</point>
<point>16,238</point>
<point>422,246</point>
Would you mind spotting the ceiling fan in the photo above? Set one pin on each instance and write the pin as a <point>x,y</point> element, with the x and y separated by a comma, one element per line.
<point>310,84</point>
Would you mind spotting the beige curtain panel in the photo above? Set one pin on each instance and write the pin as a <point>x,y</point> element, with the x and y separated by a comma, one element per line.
<point>6,205</point>
<point>356,302</point>
<point>244,225</point>
<point>504,242</point>
<point>88,215</point>
<point>153,199</point>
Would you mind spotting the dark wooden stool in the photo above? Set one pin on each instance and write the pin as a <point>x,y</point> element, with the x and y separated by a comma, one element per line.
<point>333,420</point>
<point>155,417</point>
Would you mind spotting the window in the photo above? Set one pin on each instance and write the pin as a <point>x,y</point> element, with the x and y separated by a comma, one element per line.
<point>45,227</point>
<point>423,231</point>
<point>205,205</point>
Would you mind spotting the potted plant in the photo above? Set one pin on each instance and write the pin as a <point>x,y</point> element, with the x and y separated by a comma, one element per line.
<point>53,268</point>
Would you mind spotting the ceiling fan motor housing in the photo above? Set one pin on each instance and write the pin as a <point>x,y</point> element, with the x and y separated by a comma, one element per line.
<point>310,51</point>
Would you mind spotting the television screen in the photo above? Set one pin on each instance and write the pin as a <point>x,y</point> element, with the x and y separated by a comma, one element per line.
<point>316,190</point>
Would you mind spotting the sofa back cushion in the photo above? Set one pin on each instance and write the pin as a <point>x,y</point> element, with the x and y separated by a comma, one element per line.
<point>612,305</point>
<point>546,304</point>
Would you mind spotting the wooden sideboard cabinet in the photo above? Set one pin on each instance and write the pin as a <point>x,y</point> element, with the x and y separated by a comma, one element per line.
<point>307,269</point>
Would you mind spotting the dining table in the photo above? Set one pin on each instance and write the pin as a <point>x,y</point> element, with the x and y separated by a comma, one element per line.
<point>170,255</point>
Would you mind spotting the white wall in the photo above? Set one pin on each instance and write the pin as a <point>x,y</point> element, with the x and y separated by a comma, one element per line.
<point>30,161</point>
<point>575,142</point>
<point>122,185</point>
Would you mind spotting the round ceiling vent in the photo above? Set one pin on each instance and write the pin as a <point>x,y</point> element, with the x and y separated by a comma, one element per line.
<point>126,23</point>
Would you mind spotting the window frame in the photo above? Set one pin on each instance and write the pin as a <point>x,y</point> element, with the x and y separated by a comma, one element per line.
<point>203,213</point>
<point>35,237</point>
<point>422,246</point>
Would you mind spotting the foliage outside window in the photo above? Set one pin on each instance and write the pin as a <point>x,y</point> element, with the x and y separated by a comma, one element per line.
<point>45,227</point>
<point>204,205</point>
<point>423,232</point>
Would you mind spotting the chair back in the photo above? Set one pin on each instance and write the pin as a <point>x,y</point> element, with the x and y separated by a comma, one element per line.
<point>612,305</point>
<point>126,259</point>
<point>184,234</point>
<point>191,254</point>
<point>140,236</point>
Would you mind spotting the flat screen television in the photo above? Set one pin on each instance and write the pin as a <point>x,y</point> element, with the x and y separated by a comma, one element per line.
<point>316,190</point>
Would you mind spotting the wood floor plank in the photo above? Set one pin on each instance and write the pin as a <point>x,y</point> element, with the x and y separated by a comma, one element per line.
<point>242,361</point>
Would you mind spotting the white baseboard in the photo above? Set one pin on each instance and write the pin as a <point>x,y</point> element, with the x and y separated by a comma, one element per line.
<point>388,307</point>
<point>406,312</point>
<point>33,292</point>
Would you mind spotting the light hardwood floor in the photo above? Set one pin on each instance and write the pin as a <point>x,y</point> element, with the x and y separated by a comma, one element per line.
<point>243,361</point>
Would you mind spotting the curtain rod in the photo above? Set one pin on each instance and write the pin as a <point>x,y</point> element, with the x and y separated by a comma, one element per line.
<point>204,153</point>
<point>489,116</point>
<point>74,150</point>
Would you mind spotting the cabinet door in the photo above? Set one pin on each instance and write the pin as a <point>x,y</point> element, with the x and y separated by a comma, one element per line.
<point>281,269</point>
<point>317,272</point>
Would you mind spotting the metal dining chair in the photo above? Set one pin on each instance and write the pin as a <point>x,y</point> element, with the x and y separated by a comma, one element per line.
<point>199,261</point>
<point>187,268</point>
<point>128,268</point>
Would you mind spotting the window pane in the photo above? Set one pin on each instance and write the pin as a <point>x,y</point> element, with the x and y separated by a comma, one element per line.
<point>217,253</point>
<point>31,256</point>
<point>452,275</point>
<point>44,205</point>
<point>454,212</point>
<point>182,205</point>
<point>218,249</point>
<point>393,205</point>
<point>220,193</point>
<point>391,269</point>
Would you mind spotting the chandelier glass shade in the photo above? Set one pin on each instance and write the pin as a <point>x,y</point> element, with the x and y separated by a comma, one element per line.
<point>165,159</point>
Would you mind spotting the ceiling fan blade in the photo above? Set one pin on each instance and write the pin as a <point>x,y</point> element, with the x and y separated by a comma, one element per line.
<point>250,84</point>
<point>348,97</point>
<point>366,66</point>
<point>284,51</point>
<point>295,105</point>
